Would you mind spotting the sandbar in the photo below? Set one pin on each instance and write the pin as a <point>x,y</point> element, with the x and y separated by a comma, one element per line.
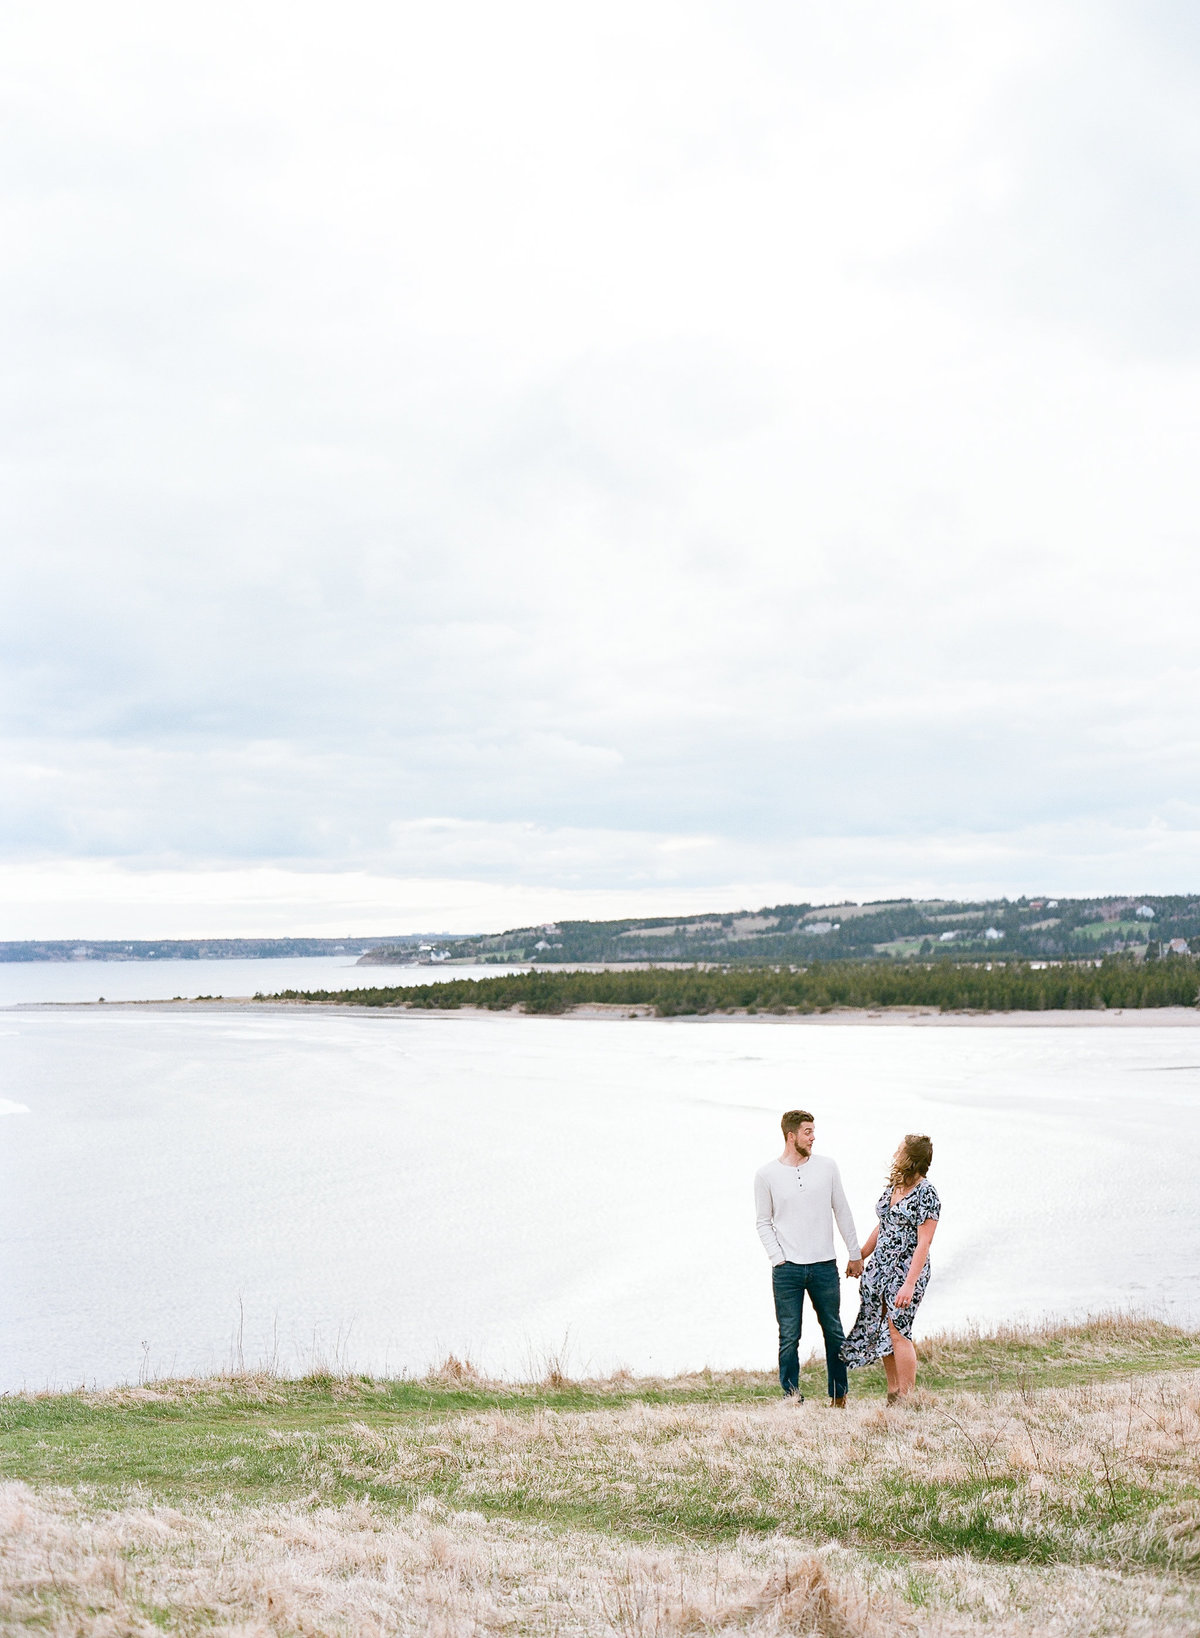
<point>613,1012</point>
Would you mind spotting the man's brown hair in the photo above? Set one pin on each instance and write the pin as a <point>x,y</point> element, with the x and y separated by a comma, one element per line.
<point>793,1121</point>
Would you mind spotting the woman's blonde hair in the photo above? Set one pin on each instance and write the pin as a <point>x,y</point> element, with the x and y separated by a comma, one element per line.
<point>913,1162</point>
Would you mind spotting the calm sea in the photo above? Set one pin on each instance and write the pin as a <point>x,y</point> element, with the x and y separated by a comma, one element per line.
<point>39,981</point>
<point>183,1191</point>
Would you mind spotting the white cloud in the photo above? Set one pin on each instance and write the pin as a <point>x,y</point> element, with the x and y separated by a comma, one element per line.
<point>518,875</point>
<point>763,425</point>
<point>89,900</point>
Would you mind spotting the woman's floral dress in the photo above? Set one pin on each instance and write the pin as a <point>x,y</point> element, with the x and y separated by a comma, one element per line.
<point>886,1270</point>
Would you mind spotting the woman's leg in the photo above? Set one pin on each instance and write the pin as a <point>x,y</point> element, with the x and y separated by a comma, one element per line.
<point>905,1357</point>
<point>889,1360</point>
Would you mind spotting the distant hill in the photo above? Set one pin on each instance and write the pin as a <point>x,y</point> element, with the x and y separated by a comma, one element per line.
<point>194,949</point>
<point>895,929</point>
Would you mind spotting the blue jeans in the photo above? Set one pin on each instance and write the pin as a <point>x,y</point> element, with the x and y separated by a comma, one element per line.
<point>790,1281</point>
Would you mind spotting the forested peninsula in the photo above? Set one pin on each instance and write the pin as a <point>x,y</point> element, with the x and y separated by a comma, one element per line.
<point>1115,981</point>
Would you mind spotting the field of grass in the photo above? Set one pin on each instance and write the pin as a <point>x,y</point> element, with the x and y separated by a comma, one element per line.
<point>1116,929</point>
<point>1039,1482</point>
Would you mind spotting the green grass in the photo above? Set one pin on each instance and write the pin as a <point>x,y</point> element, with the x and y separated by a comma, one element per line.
<point>192,1460</point>
<point>219,1438</point>
<point>905,946</point>
<point>1054,1356</point>
<point>256,1438</point>
<point>1041,1479</point>
<point>1114,929</point>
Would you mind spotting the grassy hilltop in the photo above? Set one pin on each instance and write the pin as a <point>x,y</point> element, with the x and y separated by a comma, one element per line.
<point>1041,1482</point>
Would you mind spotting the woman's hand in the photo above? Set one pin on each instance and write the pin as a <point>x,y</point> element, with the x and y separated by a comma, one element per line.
<point>905,1295</point>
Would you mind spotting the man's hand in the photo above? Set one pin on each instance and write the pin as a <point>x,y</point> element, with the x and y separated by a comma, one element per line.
<point>854,1268</point>
<point>904,1296</point>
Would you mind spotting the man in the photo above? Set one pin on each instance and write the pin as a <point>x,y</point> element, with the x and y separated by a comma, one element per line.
<point>796,1198</point>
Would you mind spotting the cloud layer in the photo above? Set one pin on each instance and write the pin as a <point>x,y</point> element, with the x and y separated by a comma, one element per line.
<point>642,449</point>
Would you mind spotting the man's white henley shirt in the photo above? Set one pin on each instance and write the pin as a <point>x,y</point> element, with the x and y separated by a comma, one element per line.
<point>796,1205</point>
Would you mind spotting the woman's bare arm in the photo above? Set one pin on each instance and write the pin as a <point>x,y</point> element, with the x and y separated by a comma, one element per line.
<point>868,1247</point>
<point>919,1258</point>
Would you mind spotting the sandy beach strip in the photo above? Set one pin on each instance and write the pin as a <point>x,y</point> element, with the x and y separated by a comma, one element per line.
<point>612,1012</point>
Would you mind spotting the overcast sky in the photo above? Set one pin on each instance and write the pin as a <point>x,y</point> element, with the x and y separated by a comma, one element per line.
<point>465,464</point>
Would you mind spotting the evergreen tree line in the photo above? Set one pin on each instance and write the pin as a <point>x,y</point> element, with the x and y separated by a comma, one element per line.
<point>1116,982</point>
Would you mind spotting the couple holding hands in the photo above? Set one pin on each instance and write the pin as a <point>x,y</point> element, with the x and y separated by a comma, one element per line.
<point>797,1198</point>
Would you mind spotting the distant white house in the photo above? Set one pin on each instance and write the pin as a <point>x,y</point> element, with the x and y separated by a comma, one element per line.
<point>993,932</point>
<point>541,944</point>
<point>1178,946</point>
<point>1146,911</point>
<point>821,927</point>
<point>1051,904</point>
<point>948,938</point>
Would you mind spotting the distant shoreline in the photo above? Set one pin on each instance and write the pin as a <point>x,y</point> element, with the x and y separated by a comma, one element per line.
<point>614,1012</point>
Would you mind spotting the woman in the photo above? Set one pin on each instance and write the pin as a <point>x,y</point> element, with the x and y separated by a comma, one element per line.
<point>897,1269</point>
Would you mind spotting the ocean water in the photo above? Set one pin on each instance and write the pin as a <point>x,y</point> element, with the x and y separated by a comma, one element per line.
<point>31,982</point>
<point>185,1190</point>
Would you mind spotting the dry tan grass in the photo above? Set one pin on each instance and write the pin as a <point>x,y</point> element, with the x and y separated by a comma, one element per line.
<point>859,1520</point>
<point>968,1355</point>
<point>1103,1471</point>
<point>1100,1339</point>
<point>352,1569</point>
<point>266,1388</point>
<point>274,1571</point>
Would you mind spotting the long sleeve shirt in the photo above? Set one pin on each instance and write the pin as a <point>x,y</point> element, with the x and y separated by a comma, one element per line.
<point>795,1208</point>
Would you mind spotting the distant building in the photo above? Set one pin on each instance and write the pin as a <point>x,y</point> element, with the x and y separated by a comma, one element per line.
<point>541,944</point>
<point>948,938</point>
<point>1051,904</point>
<point>821,927</point>
<point>1146,911</point>
<point>1178,946</point>
<point>992,932</point>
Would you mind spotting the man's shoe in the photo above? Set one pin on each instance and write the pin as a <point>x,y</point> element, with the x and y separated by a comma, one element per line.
<point>838,1402</point>
<point>793,1398</point>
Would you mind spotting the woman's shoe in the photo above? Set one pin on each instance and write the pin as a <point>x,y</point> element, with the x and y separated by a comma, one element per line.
<point>894,1398</point>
